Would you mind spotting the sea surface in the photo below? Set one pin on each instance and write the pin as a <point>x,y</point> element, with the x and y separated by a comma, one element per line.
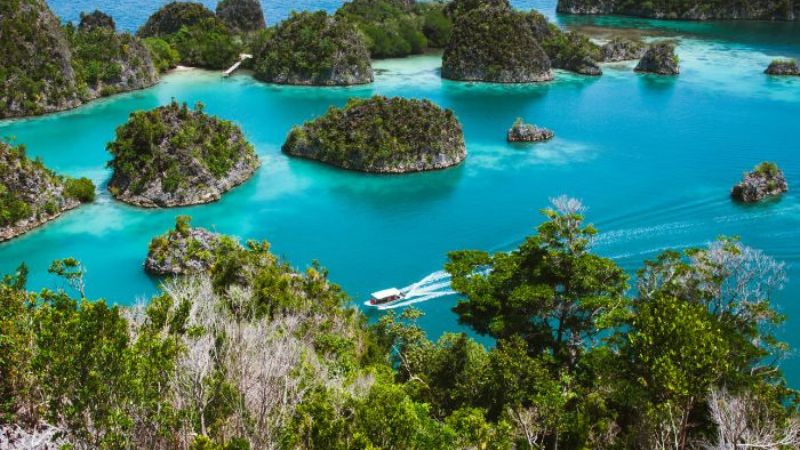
<point>653,158</point>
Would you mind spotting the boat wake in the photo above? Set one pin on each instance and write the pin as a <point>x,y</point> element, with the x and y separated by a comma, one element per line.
<point>433,286</point>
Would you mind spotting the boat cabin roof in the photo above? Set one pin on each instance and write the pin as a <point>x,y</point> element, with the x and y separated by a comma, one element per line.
<point>386,293</point>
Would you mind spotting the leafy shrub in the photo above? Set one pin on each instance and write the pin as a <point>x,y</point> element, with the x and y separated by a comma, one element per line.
<point>81,189</point>
<point>164,56</point>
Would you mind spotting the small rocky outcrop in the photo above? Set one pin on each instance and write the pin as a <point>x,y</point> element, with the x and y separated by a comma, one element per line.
<point>766,180</point>
<point>494,45</point>
<point>619,49</point>
<point>172,16</point>
<point>32,195</point>
<point>660,59</point>
<point>783,67</point>
<point>315,49</point>
<point>186,250</point>
<point>382,135</point>
<point>525,132</point>
<point>242,16</point>
<point>690,10</point>
<point>96,19</point>
<point>173,156</point>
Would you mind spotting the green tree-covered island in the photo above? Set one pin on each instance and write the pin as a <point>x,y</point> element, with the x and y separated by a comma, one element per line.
<point>32,195</point>
<point>686,9</point>
<point>382,135</point>
<point>175,156</point>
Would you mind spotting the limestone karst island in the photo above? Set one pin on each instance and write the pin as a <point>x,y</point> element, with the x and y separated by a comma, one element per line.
<point>399,225</point>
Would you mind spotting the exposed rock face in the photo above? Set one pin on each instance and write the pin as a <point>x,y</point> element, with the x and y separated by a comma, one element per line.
<point>170,18</point>
<point>172,156</point>
<point>382,135</point>
<point>185,250</point>
<point>241,15</point>
<point>525,132</point>
<point>619,49</point>
<point>96,19</point>
<point>32,195</point>
<point>494,45</point>
<point>783,67</point>
<point>315,49</point>
<point>694,10</point>
<point>660,59</point>
<point>766,180</point>
<point>36,75</point>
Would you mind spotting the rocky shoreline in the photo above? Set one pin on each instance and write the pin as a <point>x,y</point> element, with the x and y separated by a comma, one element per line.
<point>765,180</point>
<point>702,10</point>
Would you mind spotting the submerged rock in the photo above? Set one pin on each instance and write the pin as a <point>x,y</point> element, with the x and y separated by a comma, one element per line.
<point>315,49</point>
<point>382,135</point>
<point>173,156</point>
<point>186,250</point>
<point>241,15</point>
<point>495,45</point>
<point>526,132</point>
<point>783,67</point>
<point>660,59</point>
<point>32,195</point>
<point>766,180</point>
<point>619,49</point>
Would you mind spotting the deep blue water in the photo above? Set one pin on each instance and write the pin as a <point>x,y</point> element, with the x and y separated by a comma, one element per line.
<point>653,158</point>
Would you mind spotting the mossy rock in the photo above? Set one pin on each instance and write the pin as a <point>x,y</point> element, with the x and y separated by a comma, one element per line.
<point>783,67</point>
<point>314,49</point>
<point>382,135</point>
<point>765,180</point>
<point>32,195</point>
<point>619,49</point>
<point>660,59</point>
<point>495,45</point>
<point>173,156</point>
<point>96,19</point>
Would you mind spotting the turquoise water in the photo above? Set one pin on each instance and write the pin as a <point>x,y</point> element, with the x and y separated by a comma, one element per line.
<point>653,158</point>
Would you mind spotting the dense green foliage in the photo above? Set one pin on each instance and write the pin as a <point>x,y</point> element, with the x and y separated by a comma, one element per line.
<point>254,355</point>
<point>381,135</point>
<point>28,189</point>
<point>314,48</point>
<point>171,143</point>
<point>165,57</point>
<point>195,34</point>
<point>106,62</point>
<point>391,28</point>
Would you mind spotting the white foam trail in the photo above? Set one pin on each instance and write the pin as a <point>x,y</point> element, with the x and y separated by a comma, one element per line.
<point>430,287</point>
